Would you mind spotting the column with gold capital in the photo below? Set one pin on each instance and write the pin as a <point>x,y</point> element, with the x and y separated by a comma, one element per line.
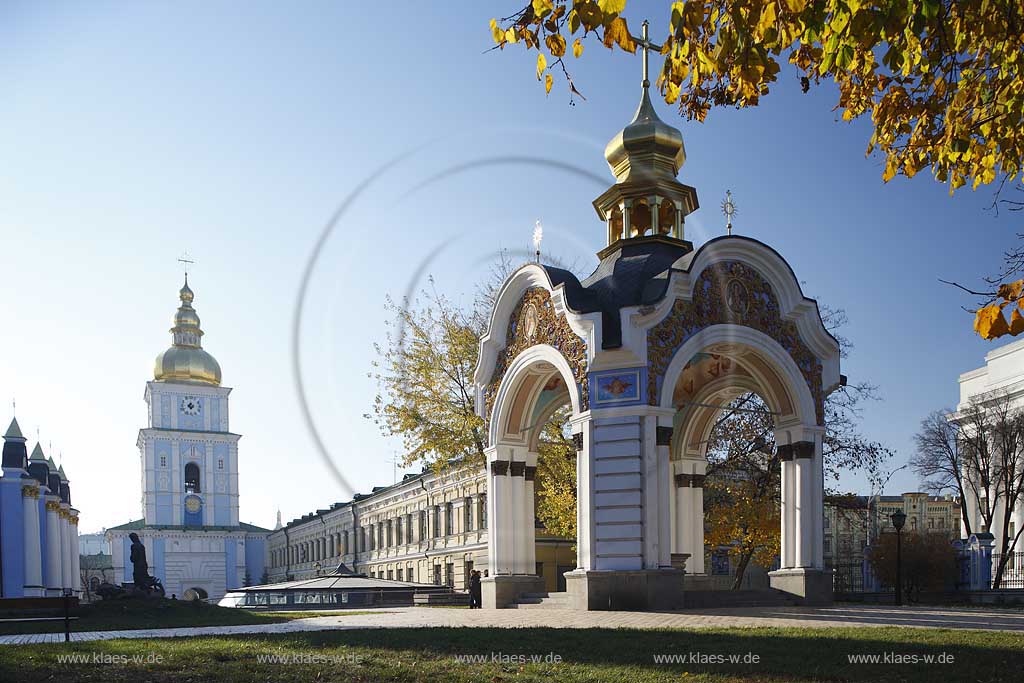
<point>76,570</point>
<point>32,549</point>
<point>53,546</point>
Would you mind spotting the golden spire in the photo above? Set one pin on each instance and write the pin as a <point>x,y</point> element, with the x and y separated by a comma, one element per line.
<point>647,200</point>
<point>185,360</point>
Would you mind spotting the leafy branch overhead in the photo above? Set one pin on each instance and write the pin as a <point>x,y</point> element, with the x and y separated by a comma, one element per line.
<point>940,80</point>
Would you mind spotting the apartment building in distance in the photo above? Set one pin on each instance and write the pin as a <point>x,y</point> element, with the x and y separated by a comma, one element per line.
<point>427,528</point>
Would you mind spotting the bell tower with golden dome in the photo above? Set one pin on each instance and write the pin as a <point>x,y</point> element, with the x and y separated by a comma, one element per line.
<point>190,458</point>
<point>190,525</point>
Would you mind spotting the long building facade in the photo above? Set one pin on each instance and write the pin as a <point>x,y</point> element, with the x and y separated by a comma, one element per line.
<point>428,528</point>
<point>38,525</point>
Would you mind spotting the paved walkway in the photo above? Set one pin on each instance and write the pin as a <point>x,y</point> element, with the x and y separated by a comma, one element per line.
<point>426,617</point>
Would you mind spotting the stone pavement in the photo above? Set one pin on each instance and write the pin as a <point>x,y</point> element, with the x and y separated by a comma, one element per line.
<point>426,617</point>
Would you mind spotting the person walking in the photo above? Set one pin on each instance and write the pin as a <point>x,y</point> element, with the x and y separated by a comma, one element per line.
<point>474,590</point>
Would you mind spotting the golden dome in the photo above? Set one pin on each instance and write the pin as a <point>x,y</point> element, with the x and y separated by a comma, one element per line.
<point>185,360</point>
<point>647,148</point>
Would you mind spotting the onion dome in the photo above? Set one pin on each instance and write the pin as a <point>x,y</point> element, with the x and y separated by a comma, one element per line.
<point>646,148</point>
<point>647,201</point>
<point>185,360</point>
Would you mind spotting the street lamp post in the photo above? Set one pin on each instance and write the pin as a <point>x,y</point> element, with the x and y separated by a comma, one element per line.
<point>899,518</point>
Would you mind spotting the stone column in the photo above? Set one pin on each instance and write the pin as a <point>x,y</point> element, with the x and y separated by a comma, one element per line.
<point>585,536</point>
<point>66,564</point>
<point>53,547</point>
<point>500,546</point>
<point>697,517</point>
<point>803,458</point>
<point>528,516</point>
<point>32,550</point>
<point>689,491</point>
<point>655,487</point>
<point>788,540</point>
<point>517,486</point>
<point>76,555</point>
<point>624,535</point>
<point>802,574</point>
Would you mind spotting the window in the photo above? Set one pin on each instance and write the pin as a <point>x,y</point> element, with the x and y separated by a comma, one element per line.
<point>192,478</point>
<point>449,519</point>
<point>482,515</point>
<point>163,461</point>
<point>437,525</point>
<point>391,533</point>
<point>467,509</point>
<point>449,574</point>
<point>423,525</point>
<point>220,463</point>
<point>399,574</point>
<point>398,531</point>
<point>412,575</point>
<point>391,575</point>
<point>437,575</point>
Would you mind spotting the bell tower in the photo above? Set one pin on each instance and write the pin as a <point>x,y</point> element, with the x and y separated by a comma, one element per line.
<point>189,457</point>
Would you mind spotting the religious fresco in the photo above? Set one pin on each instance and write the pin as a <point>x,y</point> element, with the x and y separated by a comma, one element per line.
<point>730,292</point>
<point>533,322</point>
<point>617,387</point>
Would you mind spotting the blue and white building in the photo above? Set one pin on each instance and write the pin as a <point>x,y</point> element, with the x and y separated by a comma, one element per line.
<point>38,525</point>
<point>190,526</point>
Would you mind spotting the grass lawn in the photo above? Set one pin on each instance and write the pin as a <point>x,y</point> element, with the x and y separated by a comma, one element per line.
<point>120,615</point>
<point>440,654</point>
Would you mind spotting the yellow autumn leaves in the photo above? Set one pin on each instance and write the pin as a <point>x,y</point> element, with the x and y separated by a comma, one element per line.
<point>990,322</point>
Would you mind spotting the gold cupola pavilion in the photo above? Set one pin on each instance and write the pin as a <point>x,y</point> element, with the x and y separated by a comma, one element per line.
<point>647,200</point>
<point>185,360</point>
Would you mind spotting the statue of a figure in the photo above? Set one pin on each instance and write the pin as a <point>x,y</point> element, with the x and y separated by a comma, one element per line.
<point>140,568</point>
<point>140,571</point>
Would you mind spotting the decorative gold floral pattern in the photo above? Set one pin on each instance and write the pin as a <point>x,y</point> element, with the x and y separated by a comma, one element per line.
<point>546,327</point>
<point>710,306</point>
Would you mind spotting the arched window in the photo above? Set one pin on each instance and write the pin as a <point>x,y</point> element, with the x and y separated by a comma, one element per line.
<point>192,478</point>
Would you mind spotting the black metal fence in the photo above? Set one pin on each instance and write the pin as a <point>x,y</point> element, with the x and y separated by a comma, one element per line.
<point>848,577</point>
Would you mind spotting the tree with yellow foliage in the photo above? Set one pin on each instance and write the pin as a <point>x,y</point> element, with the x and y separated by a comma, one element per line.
<point>942,81</point>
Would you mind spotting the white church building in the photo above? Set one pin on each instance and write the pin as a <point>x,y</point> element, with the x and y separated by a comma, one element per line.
<point>194,540</point>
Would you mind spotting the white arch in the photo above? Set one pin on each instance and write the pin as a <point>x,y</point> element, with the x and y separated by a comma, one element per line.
<point>768,348</point>
<point>587,326</point>
<point>519,367</point>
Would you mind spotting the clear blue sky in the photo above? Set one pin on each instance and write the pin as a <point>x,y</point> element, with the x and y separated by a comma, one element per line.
<point>133,131</point>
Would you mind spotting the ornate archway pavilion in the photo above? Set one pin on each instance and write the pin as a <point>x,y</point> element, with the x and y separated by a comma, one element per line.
<point>646,351</point>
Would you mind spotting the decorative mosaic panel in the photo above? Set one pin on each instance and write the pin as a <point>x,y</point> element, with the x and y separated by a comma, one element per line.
<point>533,322</point>
<point>617,387</point>
<point>729,292</point>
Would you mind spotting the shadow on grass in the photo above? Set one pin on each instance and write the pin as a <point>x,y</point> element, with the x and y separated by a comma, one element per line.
<point>536,654</point>
<point>882,615</point>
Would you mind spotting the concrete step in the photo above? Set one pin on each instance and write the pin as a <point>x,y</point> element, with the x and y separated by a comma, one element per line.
<point>542,601</point>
